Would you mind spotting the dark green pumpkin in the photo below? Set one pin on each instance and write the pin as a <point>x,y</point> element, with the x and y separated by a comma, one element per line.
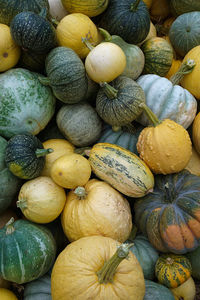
<point>27,250</point>
<point>127,18</point>
<point>156,291</point>
<point>179,7</point>
<point>194,258</point>
<point>25,156</point>
<point>33,32</point>
<point>38,289</point>
<point>118,103</point>
<point>32,61</point>
<point>169,216</point>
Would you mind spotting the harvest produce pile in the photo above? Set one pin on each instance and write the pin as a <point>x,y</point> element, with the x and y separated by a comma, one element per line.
<point>99,149</point>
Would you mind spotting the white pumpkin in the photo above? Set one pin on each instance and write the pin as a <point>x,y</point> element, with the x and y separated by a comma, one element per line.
<point>56,9</point>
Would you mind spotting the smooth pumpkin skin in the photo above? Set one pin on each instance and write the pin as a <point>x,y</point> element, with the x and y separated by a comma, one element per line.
<point>71,170</point>
<point>74,272</point>
<point>196,132</point>
<point>91,8</point>
<point>39,288</point>
<point>102,211</point>
<point>179,7</point>
<point>186,290</point>
<point>72,28</point>
<point>60,147</point>
<point>156,291</point>
<point>6,294</point>
<point>194,163</point>
<point>56,9</point>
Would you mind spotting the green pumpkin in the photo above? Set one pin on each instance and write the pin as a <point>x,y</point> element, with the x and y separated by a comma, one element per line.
<point>179,7</point>
<point>32,61</point>
<point>33,32</point>
<point>156,291</point>
<point>184,32</point>
<point>129,19</point>
<point>27,250</point>
<point>25,156</point>
<point>39,288</point>
<point>10,184</point>
<point>25,104</point>
<point>194,258</point>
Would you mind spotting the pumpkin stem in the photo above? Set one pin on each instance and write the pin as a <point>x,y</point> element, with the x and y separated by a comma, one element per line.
<point>106,35</point>
<point>9,226</point>
<point>44,80</point>
<point>43,152</point>
<point>106,273</point>
<point>22,204</point>
<point>169,260</point>
<point>152,117</point>
<point>87,43</point>
<point>134,6</point>
<point>133,233</point>
<point>109,90</point>
<point>80,192</point>
<point>185,68</point>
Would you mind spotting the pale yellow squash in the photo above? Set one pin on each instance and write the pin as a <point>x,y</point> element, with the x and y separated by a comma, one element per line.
<point>96,209</point>
<point>91,8</point>
<point>41,200</point>
<point>194,163</point>
<point>6,294</point>
<point>185,291</point>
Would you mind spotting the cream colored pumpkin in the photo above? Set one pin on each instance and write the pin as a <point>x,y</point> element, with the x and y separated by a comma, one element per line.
<point>6,294</point>
<point>57,10</point>
<point>41,200</point>
<point>185,291</point>
<point>90,268</point>
<point>96,209</point>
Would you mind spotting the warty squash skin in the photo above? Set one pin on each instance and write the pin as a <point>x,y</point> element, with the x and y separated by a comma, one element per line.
<point>91,8</point>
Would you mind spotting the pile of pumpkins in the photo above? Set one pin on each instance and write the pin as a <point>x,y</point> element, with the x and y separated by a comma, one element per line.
<point>99,149</point>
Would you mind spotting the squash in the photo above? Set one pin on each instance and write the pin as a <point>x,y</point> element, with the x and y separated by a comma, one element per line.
<point>172,101</point>
<point>152,33</point>
<point>184,33</point>
<point>28,251</point>
<point>186,290</point>
<point>161,215</point>
<point>24,156</point>
<point>179,7</point>
<point>158,56</point>
<point>193,257</point>
<point>71,170</point>
<point>128,18</point>
<point>196,132</point>
<point>66,75</point>
<point>6,294</point>
<point>156,291</point>
<point>9,51</point>
<point>39,288</point>
<point>56,9</point>
<point>72,29</point>
<point>122,169</point>
<point>194,163</point>
<point>60,147</point>
<point>172,270</point>
<point>31,105</point>
<point>96,209</point>
<point>41,200</point>
<point>91,8</point>
<point>32,61</point>
<point>94,268</point>
<point>160,10</point>
<point>191,81</point>
<point>79,123</point>
<point>176,63</point>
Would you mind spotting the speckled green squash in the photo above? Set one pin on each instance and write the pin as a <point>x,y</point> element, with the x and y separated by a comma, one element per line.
<point>39,288</point>
<point>156,291</point>
<point>179,7</point>
<point>25,104</point>
<point>27,251</point>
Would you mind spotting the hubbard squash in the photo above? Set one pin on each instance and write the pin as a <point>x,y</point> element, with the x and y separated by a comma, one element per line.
<point>186,290</point>
<point>91,8</point>
<point>6,294</point>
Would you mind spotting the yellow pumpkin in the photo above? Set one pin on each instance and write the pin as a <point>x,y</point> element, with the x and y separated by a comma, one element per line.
<point>96,209</point>
<point>60,147</point>
<point>9,51</point>
<point>194,163</point>
<point>71,171</point>
<point>6,294</point>
<point>176,63</point>
<point>75,27</point>
<point>191,81</point>
<point>91,8</point>
<point>41,200</point>
<point>196,132</point>
<point>57,9</point>
<point>186,290</point>
<point>95,268</point>
<point>159,10</point>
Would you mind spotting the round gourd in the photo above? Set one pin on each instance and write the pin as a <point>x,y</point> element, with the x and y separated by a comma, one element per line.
<point>79,123</point>
<point>179,7</point>
<point>31,105</point>
<point>25,156</point>
<point>96,209</point>
<point>6,294</point>
<point>156,291</point>
<point>91,8</point>
<point>72,29</point>
<point>186,290</point>
<point>28,251</point>
<point>38,289</point>
<point>194,163</point>
<point>172,270</point>
<point>161,215</point>
<point>66,75</point>
<point>94,267</point>
<point>41,200</point>
<point>158,56</point>
<point>56,9</point>
<point>193,257</point>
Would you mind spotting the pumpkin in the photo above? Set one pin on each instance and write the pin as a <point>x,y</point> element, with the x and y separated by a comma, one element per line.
<point>72,29</point>
<point>196,132</point>
<point>184,33</point>
<point>172,270</point>
<point>176,63</point>
<point>96,209</point>
<point>39,288</point>
<point>9,51</point>
<point>24,156</point>
<point>91,8</point>
<point>193,257</point>
<point>128,18</point>
<point>158,56</point>
<point>152,33</point>
<point>122,169</point>
<point>66,75</point>
<point>79,123</point>
<point>71,170</point>
<point>194,163</point>
<point>162,217</point>
<point>28,251</point>
<point>56,9</point>
<point>41,200</point>
<point>191,80</point>
<point>31,105</point>
<point>186,290</point>
<point>32,61</point>
<point>172,101</point>
<point>6,294</point>
<point>156,291</point>
<point>94,268</point>
<point>179,7</point>
<point>159,10</point>
<point>60,147</point>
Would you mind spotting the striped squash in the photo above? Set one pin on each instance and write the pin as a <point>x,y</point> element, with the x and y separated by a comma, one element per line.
<point>122,169</point>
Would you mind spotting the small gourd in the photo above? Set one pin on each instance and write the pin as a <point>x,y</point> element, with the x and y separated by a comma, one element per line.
<point>6,294</point>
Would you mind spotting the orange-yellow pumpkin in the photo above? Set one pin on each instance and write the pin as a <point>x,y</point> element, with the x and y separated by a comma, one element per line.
<point>6,294</point>
<point>176,63</point>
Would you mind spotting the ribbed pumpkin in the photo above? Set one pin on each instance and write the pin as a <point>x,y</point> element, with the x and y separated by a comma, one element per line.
<point>39,288</point>
<point>179,7</point>
<point>186,290</point>
<point>162,216</point>
<point>122,169</point>
<point>156,291</point>
<point>91,8</point>
<point>94,268</point>
<point>172,270</point>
